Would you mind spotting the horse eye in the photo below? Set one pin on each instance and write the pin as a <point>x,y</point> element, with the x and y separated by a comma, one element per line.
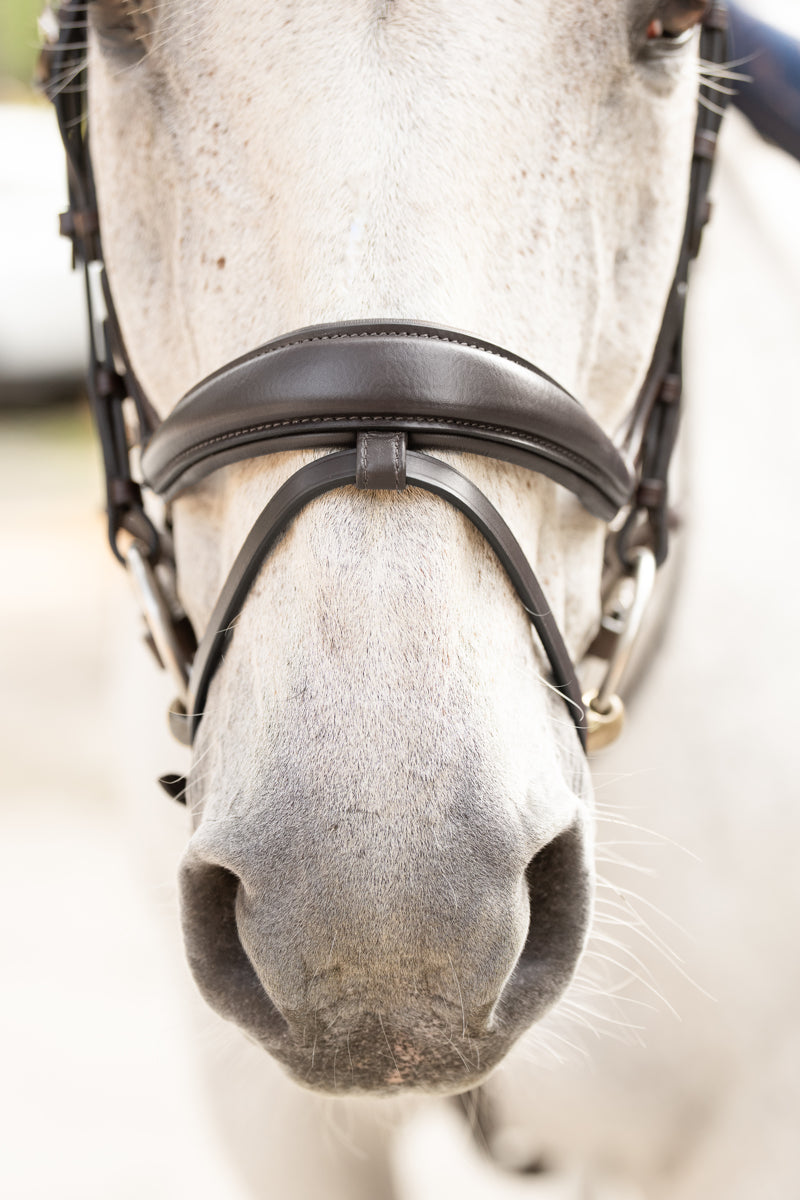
<point>675,21</point>
<point>123,25</point>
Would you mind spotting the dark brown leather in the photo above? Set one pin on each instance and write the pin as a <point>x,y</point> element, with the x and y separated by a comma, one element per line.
<point>381,461</point>
<point>323,384</point>
<point>338,470</point>
<point>648,438</point>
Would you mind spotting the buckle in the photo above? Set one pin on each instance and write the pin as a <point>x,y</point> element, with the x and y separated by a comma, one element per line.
<point>155,609</point>
<point>605,711</point>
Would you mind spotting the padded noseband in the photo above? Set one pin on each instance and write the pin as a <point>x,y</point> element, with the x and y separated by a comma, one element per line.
<point>443,388</point>
<point>377,388</point>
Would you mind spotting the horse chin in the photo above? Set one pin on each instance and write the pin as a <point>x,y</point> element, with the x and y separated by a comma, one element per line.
<point>385,1063</point>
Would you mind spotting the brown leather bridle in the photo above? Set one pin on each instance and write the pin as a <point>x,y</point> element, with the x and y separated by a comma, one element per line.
<point>383,391</point>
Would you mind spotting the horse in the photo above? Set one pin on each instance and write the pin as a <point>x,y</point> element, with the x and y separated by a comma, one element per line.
<point>392,868</point>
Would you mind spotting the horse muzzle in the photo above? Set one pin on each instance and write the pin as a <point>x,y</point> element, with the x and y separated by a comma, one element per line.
<point>384,973</point>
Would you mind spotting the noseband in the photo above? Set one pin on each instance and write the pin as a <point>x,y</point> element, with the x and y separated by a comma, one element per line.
<point>382,393</point>
<point>393,389</point>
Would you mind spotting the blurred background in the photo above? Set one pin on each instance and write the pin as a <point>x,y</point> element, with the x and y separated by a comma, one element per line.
<point>100,1097</point>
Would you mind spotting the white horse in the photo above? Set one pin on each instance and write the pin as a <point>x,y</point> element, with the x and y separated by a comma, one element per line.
<point>385,793</point>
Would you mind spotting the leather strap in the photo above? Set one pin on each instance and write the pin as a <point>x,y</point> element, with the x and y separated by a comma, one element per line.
<point>381,461</point>
<point>323,384</point>
<point>648,437</point>
<point>338,470</point>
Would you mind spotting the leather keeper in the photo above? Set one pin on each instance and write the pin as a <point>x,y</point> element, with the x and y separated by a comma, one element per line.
<point>705,144</point>
<point>381,462</point>
<point>77,222</point>
<point>716,18</point>
<point>670,390</point>
<point>124,493</point>
<point>106,382</point>
<point>650,493</point>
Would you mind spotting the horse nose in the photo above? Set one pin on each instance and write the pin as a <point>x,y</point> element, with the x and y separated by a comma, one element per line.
<point>366,976</point>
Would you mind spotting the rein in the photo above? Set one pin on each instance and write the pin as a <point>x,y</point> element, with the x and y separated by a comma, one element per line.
<point>382,393</point>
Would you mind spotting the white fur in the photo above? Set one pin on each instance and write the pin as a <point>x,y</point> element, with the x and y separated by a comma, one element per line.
<point>507,171</point>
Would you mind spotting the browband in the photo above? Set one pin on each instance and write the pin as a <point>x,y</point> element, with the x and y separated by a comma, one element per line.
<point>445,389</point>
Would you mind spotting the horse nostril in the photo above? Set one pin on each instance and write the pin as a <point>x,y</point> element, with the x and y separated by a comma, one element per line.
<point>253,974</point>
<point>218,960</point>
<point>559,881</point>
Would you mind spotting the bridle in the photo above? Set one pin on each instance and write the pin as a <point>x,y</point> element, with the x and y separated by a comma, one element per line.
<point>384,392</point>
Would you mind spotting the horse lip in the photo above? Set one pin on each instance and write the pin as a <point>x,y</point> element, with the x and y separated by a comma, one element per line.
<point>374,1061</point>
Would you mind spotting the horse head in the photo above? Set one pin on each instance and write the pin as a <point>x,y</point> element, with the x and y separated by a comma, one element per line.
<point>390,872</point>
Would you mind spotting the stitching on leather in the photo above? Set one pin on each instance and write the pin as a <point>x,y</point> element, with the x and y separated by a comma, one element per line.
<point>362,474</point>
<point>293,422</point>
<point>375,333</point>
<point>398,482</point>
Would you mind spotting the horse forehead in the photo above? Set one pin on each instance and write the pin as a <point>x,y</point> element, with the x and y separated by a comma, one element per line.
<point>360,95</point>
<point>452,47</point>
<point>308,161</point>
<point>321,21</point>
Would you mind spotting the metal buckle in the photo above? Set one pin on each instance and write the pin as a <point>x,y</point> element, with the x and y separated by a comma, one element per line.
<point>157,614</point>
<point>605,711</point>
